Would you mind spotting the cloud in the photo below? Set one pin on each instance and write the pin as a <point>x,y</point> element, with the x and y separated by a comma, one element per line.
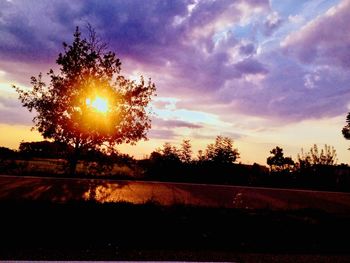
<point>141,31</point>
<point>13,113</point>
<point>280,97</point>
<point>170,124</point>
<point>324,40</point>
<point>296,19</point>
<point>192,52</point>
<point>250,66</point>
<point>272,23</point>
<point>161,134</point>
<point>247,49</point>
<point>162,104</point>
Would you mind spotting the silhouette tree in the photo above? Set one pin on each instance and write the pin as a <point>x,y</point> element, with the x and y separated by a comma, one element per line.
<point>326,156</point>
<point>201,156</point>
<point>169,153</point>
<point>346,128</point>
<point>88,103</point>
<point>186,151</point>
<point>6,153</point>
<point>43,149</point>
<point>222,151</point>
<point>278,162</point>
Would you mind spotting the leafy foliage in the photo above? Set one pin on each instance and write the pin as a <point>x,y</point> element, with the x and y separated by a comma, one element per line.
<point>346,128</point>
<point>43,149</point>
<point>326,156</point>
<point>222,151</point>
<point>168,153</point>
<point>278,162</point>
<point>6,153</point>
<point>186,151</point>
<point>86,71</point>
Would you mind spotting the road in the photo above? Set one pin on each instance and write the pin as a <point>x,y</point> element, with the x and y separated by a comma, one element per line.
<point>65,190</point>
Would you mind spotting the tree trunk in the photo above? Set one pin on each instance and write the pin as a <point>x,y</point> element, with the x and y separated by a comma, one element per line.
<point>73,160</point>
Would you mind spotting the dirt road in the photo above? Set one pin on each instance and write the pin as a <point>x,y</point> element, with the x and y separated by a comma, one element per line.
<point>64,190</point>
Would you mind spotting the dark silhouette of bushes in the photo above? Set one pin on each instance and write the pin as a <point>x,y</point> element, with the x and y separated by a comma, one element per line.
<point>43,149</point>
<point>315,169</point>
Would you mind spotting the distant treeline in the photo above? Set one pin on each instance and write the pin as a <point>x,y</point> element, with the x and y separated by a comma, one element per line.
<point>217,164</point>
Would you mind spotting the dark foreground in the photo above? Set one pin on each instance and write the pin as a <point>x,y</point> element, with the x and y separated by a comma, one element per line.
<point>40,230</point>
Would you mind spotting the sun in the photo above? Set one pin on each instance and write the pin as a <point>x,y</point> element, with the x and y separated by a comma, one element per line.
<point>99,104</point>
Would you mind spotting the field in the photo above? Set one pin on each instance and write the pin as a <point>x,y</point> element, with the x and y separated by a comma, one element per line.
<point>57,167</point>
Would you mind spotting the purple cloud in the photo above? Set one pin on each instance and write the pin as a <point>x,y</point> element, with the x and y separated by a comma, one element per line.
<point>247,49</point>
<point>325,40</point>
<point>250,66</point>
<point>281,96</point>
<point>162,134</point>
<point>13,113</point>
<point>171,124</point>
<point>272,23</point>
<point>191,51</point>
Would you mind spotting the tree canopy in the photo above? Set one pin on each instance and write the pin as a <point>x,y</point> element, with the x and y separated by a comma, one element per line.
<point>277,161</point>
<point>89,103</point>
<point>222,151</point>
<point>346,128</point>
<point>326,156</point>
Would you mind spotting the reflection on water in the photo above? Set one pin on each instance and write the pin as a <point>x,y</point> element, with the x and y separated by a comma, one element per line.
<point>165,194</point>
<point>215,196</point>
<point>139,193</point>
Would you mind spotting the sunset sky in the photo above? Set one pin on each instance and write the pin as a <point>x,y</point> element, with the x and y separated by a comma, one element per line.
<point>264,73</point>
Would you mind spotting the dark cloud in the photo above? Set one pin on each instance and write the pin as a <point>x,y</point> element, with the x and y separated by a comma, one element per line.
<point>161,123</point>
<point>188,49</point>
<point>247,49</point>
<point>250,66</point>
<point>282,96</point>
<point>142,30</point>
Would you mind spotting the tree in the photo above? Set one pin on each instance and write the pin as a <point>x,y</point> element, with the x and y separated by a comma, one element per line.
<point>201,156</point>
<point>278,162</point>
<point>169,153</point>
<point>222,151</point>
<point>88,103</point>
<point>186,151</point>
<point>6,153</point>
<point>326,156</point>
<point>346,128</point>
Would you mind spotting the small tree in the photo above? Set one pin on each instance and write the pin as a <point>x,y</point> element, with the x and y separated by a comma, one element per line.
<point>346,128</point>
<point>186,151</point>
<point>222,151</point>
<point>88,103</point>
<point>326,156</point>
<point>169,153</point>
<point>278,162</point>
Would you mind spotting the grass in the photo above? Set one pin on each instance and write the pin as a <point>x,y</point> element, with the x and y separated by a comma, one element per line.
<point>57,167</point>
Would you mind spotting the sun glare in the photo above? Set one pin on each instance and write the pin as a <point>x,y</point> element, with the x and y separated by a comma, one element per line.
<point>99,104</point>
